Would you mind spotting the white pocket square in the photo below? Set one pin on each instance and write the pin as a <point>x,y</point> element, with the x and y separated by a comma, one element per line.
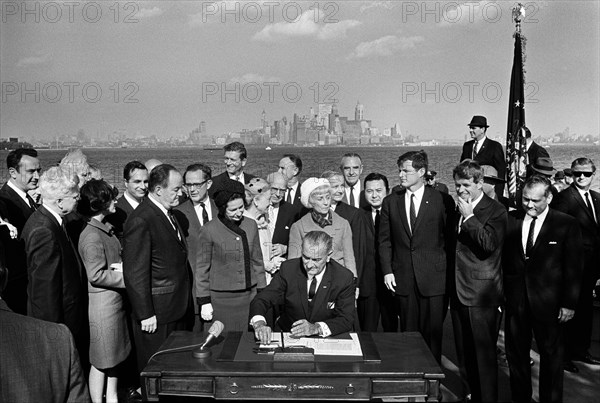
<point>331,305</point>
<point>286,227</point>
<point>552,243</point>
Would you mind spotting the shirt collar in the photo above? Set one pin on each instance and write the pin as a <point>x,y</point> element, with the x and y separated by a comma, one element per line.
<point>540,218</point>
<point>355,187</point>
<point>157,203</point>
<point>476,201</point>
<point>418,193</point>
<point>54,213</point>
<point>21,194</point>
<point>319,276</point>
<point>134,203</point>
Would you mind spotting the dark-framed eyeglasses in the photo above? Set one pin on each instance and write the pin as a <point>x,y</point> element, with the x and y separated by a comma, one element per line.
<point>577,174</point>
<point>195,185</point>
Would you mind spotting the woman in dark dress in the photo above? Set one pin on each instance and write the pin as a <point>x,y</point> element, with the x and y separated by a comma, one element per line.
<point>100,251</point>
<point>230,266</point>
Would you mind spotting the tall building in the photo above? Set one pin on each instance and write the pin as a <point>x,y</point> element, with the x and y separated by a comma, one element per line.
<point>359,111</point>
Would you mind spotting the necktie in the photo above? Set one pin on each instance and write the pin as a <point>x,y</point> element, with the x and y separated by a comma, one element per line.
<point>204,214</point>
<point>413,213</point>
<point>174,223</point>
<point>313,289</point>
<point>32,204</point>
<point>588,202</point>
<point>377,221</point>
<point>352,196</point>
<point>475,149</point>
<point>289,196</point>
<point>529,244</point>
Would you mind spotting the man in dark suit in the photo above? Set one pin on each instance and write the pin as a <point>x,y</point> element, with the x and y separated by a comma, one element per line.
<point>351,167</point>
<point>582,203</point>
<point>542,267</point>
<point>24,171</point>
<point>475,286</point>
<point>235,158</point>
<point>281,214</point>
<point>155,266</point>
<point>374,298</point>
<point>290,166</point>
<point>534,150</point>
<point>196,211</point>
<point>39,362</point>
<point>415,233</point>
<point>484,150</point>
<point>57,290</point>
<point>135,176</point>
<point>317,294</point>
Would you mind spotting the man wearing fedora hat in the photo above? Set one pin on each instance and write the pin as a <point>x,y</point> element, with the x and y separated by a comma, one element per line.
<point>534,150</point>
<point>484,150</point>
<point>543,166</point>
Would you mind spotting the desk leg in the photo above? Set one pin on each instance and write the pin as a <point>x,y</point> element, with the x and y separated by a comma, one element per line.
<point>434,392</point>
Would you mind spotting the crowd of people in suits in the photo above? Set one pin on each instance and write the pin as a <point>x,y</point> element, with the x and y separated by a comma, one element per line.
<point>321,256</point>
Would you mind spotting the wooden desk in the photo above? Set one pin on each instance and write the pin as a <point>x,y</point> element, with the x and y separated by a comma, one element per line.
<point>407,369</point>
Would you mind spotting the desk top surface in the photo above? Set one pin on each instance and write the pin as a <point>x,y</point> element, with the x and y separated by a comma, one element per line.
<point>402,354</point>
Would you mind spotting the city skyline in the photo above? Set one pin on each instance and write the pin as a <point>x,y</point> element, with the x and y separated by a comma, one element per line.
<point>429,67</point>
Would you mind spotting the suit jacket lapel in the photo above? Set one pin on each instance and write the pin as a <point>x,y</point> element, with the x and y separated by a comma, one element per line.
<point>423,209</point>
<point>322,294</point>
<point>25,207</point>
<point>167,223</point>
<point>402,211</point>
<point>302,288</point>
<point>577,196</point>
<point>543,234</point>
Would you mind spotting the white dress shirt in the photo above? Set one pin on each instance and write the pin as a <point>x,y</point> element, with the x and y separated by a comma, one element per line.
<point>134,203</point>
<point>418,198</point>
<point>207,207</point>
<point>536,231</point>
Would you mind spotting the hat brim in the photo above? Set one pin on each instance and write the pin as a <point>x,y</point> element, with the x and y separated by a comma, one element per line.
<point>551,172</point>
<point>493,179</point>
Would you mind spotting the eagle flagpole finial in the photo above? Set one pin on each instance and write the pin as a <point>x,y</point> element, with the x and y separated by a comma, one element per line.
<point>518,13</point>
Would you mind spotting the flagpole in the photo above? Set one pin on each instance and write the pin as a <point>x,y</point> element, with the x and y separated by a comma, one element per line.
<point>515,138</point>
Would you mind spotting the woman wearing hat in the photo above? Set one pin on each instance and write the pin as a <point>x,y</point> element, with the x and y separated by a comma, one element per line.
<point>100,251</point>
<point>230,266</point>
<point>258,200</point>
<point>316,195</point>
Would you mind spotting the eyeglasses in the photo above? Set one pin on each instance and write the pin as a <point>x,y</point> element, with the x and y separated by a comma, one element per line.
<point>277,190</point>
<point>76,197</point>
<point>195,185</point>
<point>577,174</point>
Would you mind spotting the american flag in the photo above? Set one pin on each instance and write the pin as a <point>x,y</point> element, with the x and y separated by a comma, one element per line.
<point>516,153</point>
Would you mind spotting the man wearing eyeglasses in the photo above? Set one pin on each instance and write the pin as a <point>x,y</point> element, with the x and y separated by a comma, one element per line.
<point>57,290</point>
<point>196,211</point>
<point>579,201</point>
<point>281,214</point>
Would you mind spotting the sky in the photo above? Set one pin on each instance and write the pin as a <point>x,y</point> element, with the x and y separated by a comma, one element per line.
<point>159,68</point>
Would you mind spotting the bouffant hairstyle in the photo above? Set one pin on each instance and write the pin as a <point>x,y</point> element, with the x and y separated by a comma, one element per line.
<point>96,196</point>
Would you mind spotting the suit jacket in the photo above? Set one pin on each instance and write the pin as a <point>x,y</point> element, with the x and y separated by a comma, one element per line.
<point>362,200</point>
<point>550,278</point>
<point>220,263</point>
<point>367,281</point>
<point>17,213</point>
<point>155,265</point>
<point>117,219</point>
<point>490,153</point>
<point>333,302</point>
<point>57,290</point>
<point>536,151</point>
<point>39,362</point>
<point>569,201</point>
<point>339,230</point>
<point>219,179</point>
<point>478,267</point>
<point>286,216</point>
<point>358,225</point>
<point>421,257</point>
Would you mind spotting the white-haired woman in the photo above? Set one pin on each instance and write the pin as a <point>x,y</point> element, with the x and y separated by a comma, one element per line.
<point>316,195</point>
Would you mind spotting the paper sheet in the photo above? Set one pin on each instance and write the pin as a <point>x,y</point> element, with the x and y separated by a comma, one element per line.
<point>322,346</point>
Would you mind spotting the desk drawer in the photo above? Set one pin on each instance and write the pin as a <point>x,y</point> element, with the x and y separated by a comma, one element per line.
<point>292,388</point>
<point>399,387</point>
<point>187,386</point>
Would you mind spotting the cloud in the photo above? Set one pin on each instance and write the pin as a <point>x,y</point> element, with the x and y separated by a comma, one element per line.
<point>149,12</point>
<point>385,46</point>
<point>306,27</point>
<point>34,60</point>
<point>252,78</point>
<point>386,5</point>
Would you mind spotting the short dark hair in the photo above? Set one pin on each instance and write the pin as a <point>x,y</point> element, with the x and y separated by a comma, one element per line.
<point>539,180</point>
<point>527,132</point>
<point>238,147</point>
<point>132,166</point>
<point>583,161</point>
<point>375,176</point>
<point>468,169</point>
<point>96,196</point>
<point>296,160</point>
<point>160,176</point>
<point>13,159</point>
<point>418,158</point>
<point>199,167</point>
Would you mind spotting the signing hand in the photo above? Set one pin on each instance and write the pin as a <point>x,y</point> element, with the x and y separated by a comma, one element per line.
<point>565,315</point>
<point>390,281</point>
<point>262,332</point>
<point>303,327</point>
<point>149,325</point>
<point>206,312</point>
<point>278,249</point>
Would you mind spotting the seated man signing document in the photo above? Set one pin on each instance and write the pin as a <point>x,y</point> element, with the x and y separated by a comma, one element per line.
<point>316,292</point>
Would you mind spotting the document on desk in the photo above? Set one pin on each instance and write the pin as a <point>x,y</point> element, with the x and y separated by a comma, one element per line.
<point>323,346</point>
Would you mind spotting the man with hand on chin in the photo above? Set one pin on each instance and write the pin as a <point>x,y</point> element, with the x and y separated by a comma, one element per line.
<point>317,294</point>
